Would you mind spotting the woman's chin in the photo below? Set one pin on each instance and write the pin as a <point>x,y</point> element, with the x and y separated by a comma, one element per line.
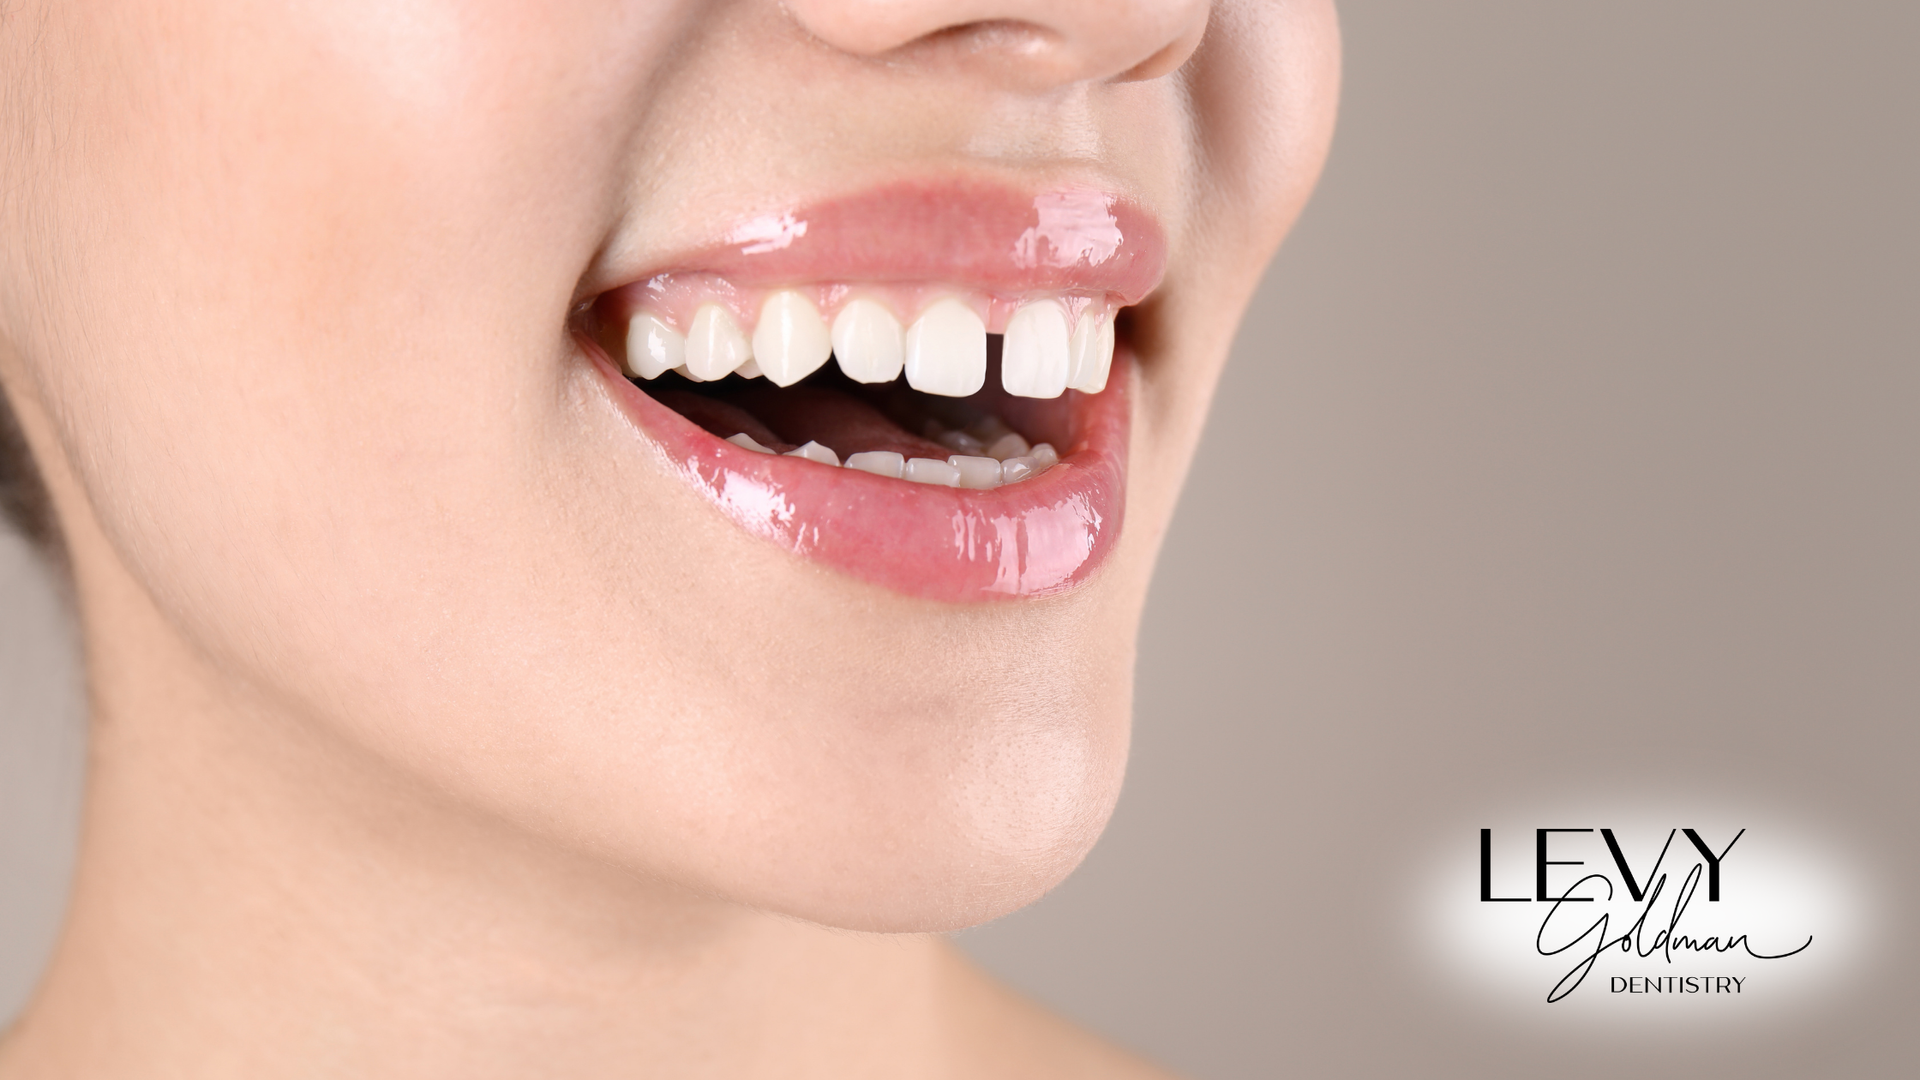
<point>860,794</point>
<point>900,835</point>
<point>958,865</point>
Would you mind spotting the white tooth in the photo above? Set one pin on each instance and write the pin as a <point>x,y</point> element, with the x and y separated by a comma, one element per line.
<point>947,351</point>
<point>715,345</point>
<point>878,462</point>
<point>866,341</point>
<point>653,347</point>
<point>959,441</point>
<point>1008,445</point>
<point>790,340</point>
<point>749,370</point>
<point>926,470</point>
<point>1034,355</point>
<point>1044,456</point>
<point>976,472</point>
<point>1015,469</point>
<point>748,442</point>
<point>1092,351</point>
<point>813,451</point>
<point>688,375</point>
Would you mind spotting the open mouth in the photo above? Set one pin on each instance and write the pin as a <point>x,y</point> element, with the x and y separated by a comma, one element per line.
<point>953,439</point>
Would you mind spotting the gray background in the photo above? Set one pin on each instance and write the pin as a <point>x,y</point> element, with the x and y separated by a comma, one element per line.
<point>1570,444</point>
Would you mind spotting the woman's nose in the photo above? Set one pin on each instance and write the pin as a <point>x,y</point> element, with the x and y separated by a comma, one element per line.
<point>1030,44</point>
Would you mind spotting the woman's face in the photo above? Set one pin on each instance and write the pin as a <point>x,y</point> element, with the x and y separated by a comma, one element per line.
<point>318,312</point>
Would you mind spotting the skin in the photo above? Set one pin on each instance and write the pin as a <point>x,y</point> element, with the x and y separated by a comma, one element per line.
<point>437,729</point>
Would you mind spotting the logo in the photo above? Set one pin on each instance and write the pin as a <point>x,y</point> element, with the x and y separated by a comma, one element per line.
<point>1588,933</point>
<point>1611,913</point>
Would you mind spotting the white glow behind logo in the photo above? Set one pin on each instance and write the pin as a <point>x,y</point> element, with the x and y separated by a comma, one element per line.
<point>1789,923</point>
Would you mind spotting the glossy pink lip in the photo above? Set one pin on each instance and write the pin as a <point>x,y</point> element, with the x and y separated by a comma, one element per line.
<point>1029,539</point>
<point>969,233</point>
<point>1032,538</point>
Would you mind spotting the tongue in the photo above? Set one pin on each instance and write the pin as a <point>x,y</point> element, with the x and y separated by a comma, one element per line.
<point>843,420</point>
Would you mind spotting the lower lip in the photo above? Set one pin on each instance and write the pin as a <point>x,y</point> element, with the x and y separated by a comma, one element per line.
<point>1033,538</point>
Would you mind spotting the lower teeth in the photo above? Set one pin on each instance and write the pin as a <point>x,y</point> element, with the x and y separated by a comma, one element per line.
<point>977,471</point>
<point>907,435</point>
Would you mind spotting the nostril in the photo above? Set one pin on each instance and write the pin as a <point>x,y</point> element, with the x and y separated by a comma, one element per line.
<point>874,28</point>
<point>1008,49</point>
<point>1031,44</point>
<point>1007,36</point>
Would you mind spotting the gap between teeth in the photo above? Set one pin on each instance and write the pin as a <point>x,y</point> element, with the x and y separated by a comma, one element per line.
<point>1046,349</point>
<point>1008,461</point>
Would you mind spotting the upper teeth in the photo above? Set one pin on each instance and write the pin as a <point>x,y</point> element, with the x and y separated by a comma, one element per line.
<point>867,341</point>
<point>1046,350</point>
<point>1090,352</point>
<point>652,347</point>
<point>947,350</point>
<point>715,345</point>
<point>1034,356</point>
<point>791,341</point>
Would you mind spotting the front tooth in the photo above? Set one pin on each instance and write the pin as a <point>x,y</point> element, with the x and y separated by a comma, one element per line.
<point>947,351</point>
<point>653,347</point>
<point>976,472</point>
<point>1035,354</point>
<point>866,341</point>
<point>813,451</point>
<point>715,345</point>
<point>926,470</point>
<point>790,341</point>
<point>1015,469</point>
<point>1091,351</point>
<point>878,462</point>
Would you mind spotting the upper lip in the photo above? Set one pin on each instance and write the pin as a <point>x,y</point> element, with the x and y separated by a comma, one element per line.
<point>974,233</point>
